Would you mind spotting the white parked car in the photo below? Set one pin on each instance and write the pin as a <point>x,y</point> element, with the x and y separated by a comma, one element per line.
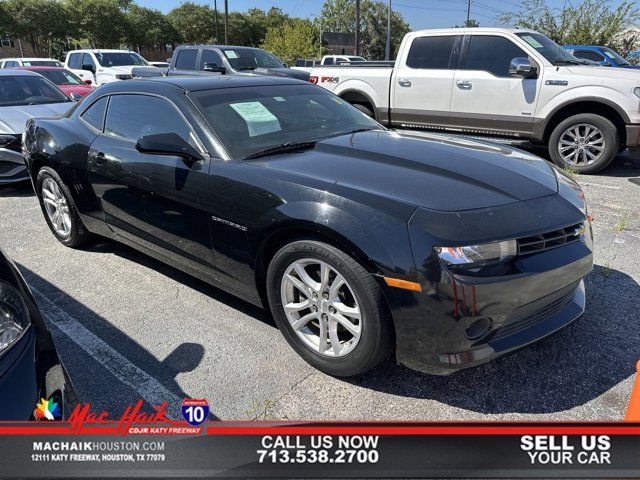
<point>29,62</point>
<point>499,83</point>
<point>104,66</point>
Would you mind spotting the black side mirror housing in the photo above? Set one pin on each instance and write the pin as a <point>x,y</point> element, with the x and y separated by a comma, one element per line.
<point>168,144</point>
<point>88,67</point>
<point>213,67</point>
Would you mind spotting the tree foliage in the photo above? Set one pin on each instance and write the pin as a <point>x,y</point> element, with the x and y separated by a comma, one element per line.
<point>148,28</point>
<point>592,22</point>
<point>195,23</point>
<point>339,16</point>
<point>296,38</point>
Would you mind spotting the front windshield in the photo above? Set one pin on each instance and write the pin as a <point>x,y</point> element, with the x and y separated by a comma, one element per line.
<point>120,59</point>
<point>549,49</point>
<point>251,119</point>
<point>28,90</point>
<point>41,63</point>
<point>614,56</point>
<point>61,77</point>
<point>250,59</point>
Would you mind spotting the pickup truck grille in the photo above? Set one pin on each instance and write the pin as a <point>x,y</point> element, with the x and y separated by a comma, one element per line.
<point>549,240</point>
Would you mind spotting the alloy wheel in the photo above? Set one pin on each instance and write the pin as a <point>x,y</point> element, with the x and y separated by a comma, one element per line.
<point>321,307</point>
<point>581,144</point>
<point>56,206</point>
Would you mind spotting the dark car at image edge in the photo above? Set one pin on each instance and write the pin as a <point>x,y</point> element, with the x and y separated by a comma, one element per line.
<point>30,369</point>
<point>362,241</point>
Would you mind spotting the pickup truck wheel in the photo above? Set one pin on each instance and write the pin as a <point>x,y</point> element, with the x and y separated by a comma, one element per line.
<point>586,143</point>
<point>366,110</point>
<point>329,308</point>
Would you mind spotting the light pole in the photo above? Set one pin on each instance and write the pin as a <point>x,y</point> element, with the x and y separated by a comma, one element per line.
<point>215,15</point>
<point>357,27</point>
<point>387,51</point>
<point>226,22</point>
<point>468,12</point>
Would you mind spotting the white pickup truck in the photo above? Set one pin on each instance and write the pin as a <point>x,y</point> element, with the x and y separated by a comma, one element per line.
<point>501,83</point>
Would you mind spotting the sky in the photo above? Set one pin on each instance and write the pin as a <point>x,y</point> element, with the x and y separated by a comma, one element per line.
<point>419,13</point>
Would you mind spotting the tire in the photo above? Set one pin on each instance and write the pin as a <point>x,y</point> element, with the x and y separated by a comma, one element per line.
<point>364,109</point>
<point>361,293</point>
<point>605,143</point>
<point>75,233</point>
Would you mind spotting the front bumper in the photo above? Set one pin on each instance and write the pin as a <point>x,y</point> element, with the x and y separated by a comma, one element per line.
<point>12,167</point>
<point>633,136</point>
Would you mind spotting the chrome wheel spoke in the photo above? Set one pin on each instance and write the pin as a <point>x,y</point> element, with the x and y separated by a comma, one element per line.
<point>302,322</point>
<point>296,307</point>
<point>333,338</point>
<point>322,337</point>
<point>353,312</point>
<point>352,328</point>
<point>304,276</point>
<point>335,286</point>
<point>299,284</point>
<point>51,202</point>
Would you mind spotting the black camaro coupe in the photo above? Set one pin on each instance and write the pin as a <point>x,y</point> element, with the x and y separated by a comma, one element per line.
<point>360,240</point>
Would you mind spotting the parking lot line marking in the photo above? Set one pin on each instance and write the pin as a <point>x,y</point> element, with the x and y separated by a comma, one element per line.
<point>152,391</point>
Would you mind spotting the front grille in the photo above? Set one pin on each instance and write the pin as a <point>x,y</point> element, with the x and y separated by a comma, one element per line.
<point>548,240</point>
<point>539,316</point>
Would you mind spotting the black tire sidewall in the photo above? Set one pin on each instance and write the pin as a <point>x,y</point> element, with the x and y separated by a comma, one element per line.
<point>366,110</point>
<point>78,233</point>
<point>372,346</point>
<point>608,130</point>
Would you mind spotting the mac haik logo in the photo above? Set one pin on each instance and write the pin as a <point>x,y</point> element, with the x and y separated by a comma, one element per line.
<point>47,410</point>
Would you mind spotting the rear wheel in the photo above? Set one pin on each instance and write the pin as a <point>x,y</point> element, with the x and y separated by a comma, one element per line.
<point>586,143</point>
<point>329,308</point>
<point>364,109</point>
<point>59,210</point>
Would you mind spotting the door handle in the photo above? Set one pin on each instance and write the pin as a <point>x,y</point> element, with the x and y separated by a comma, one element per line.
<point>403,82</point>
<point>464,84</point>
<point>100,159</point>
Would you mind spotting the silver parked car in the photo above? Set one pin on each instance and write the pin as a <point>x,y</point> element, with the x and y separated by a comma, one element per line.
<point>23,95</point>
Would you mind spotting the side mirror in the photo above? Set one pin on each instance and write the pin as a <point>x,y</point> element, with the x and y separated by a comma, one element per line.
<point>87,82</point>
<point>88,67</point>
<point>76,97</point>
<point>522,67</point>
<point>213,67</point>
<point>168,144</point>
<point>604,63</point>
<point>285,65</point>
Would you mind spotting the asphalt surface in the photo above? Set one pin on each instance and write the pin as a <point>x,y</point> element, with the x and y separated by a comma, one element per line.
<point>129,327</point>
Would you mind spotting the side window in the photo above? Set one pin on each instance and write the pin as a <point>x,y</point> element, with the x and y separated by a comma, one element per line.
<point>589,55</point>
<point>87,59</point>
<point>210,56</point>
<point>329,61</point>
<point>94,115</point>
<point>431,52</point>
<point>186,59</point>
<point>75,61</point>
<point>131,117</point>
<point>492,54</point>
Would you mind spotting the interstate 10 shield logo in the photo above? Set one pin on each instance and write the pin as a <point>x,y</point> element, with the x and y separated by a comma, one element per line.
<point>195,411</point>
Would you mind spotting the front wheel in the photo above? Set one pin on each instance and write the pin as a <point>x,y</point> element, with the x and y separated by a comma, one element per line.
<point>586,143</point>
<point>329,308</point>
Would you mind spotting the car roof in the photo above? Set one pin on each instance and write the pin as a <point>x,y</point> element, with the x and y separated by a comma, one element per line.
<point>29,59</point>
<point>9,72</point>
<point>471,31</point>
<point>105,50</point>
<point>39,67</point>
<point>217,46</point>
<point>198,83</point>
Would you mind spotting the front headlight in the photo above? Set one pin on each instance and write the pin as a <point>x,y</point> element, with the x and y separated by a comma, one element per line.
<point>637,91</point>
<point>14,315</point>
<point>478,255</point>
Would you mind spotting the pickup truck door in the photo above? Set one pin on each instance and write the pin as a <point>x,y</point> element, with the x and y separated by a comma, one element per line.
<point>421,85</point>
<point>486,98</point>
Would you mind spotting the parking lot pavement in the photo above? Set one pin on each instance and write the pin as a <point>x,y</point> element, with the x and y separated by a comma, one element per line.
<point>128,327</point>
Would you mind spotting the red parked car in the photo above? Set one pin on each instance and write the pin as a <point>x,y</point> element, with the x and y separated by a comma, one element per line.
<point>65,80</point>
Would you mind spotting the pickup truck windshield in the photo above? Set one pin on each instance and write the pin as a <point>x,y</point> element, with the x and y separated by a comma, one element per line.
<point>250,59</point>
<point>28,90</point>
<point>120,59</point>
<point>255,119</point>
<point>550,49</point>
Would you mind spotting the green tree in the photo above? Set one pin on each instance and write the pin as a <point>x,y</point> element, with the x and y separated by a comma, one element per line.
<point>297,38</point>
<point>339,16</point>
<point>592,22</point>
<point>194,23</point>
<point>469,24</point>
<point>99,23</point>
<point>41,23</point>
<point>148,28</point>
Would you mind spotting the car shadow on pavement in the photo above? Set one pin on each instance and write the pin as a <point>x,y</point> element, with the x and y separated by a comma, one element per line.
<point>130,254</point>
<point>102,388</point>
<point>21,189</point>
<point>562,371</point>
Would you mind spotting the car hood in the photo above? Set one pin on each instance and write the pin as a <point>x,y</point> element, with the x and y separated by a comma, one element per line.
<point>14,119</point>
<point>283,72</point>
<point>606,72</point>
<point>80,89</point>
<point>437,172</point>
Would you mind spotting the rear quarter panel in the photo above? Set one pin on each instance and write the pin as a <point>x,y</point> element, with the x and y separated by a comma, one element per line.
<point>372,82</point>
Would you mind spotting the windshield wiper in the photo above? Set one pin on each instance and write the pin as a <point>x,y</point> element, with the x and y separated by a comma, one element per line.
<point>285,147</point>
<point>562,61</point>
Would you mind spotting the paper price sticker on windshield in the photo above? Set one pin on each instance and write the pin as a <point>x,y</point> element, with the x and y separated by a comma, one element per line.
<point>260,121</point>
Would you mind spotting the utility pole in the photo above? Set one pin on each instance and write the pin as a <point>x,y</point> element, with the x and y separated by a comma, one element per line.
<point>468,12</point>
<point>226,22</point>
<point>357,27</point>
<point>387,52</point>
<point>215,14</point>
